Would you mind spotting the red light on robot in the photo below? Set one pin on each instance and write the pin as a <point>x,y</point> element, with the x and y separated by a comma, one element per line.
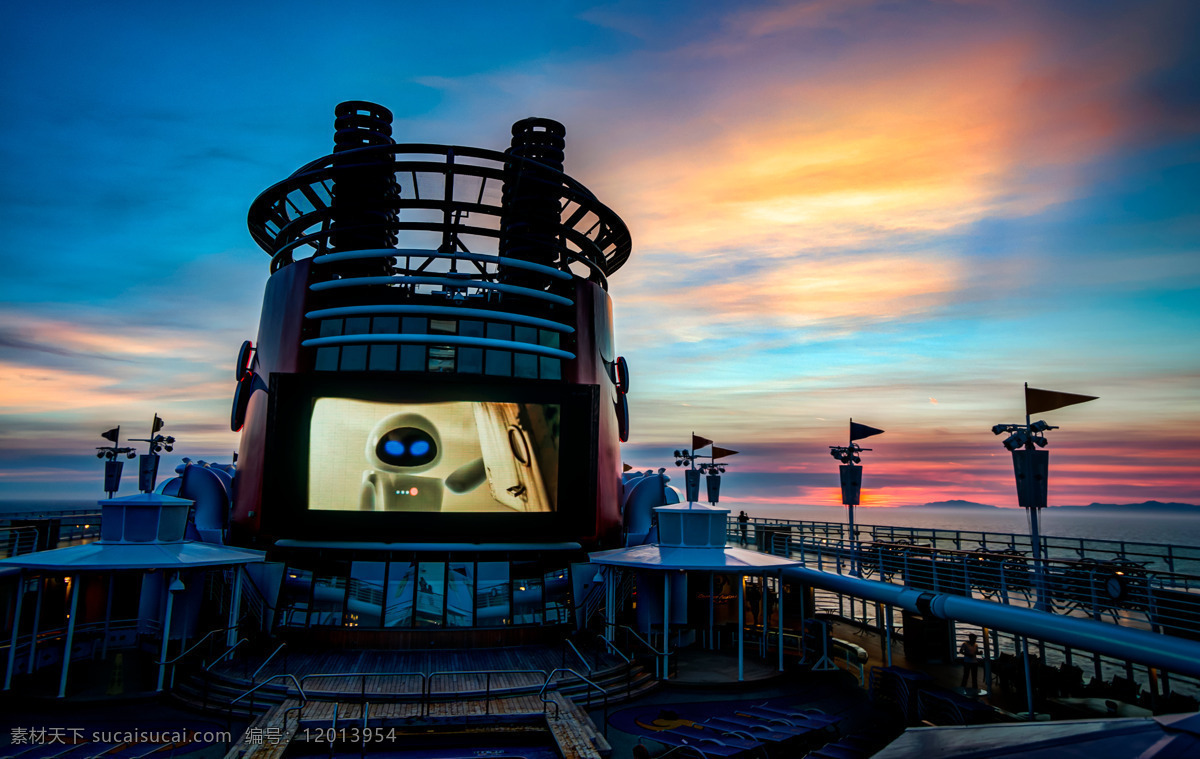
<point>412,491</point>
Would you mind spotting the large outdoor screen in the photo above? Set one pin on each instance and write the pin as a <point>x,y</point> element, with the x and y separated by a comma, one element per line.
<point>462,456</point>
<point>372,458</point>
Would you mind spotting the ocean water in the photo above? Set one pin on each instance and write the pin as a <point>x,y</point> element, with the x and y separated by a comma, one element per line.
<point>1140,527</point>
<point>8,508</point>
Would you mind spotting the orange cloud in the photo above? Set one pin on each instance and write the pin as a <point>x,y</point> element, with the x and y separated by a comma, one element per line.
<point>799,293</point>
<point>115,341</point>
<point>918,137</point>
<point>43,389</point>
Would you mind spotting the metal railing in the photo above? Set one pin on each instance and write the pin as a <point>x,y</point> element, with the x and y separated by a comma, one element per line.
<point>1118,590</point>
<point>267,661</point>
<point>487,688</point>
<point>569,644</point>
<point>172,662</point>
<point>264,683</point>
<point>660,672</point>
<point>550,677</point>
<point>421,693</point>
<point>226,653</point>
<point>1156,556</point>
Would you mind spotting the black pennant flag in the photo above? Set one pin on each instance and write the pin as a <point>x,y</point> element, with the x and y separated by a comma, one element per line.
<point>699,442</point>
<point>1037,401</point>
<point>112,434</point>
<point>718,452</point>
<point>158,424</point>
<point>860,431</point>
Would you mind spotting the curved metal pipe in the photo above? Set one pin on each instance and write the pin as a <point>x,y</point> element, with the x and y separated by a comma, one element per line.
<point>1164,651</point>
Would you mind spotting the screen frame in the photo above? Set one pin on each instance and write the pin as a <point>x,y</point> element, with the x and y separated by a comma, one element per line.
<point>285,512</point>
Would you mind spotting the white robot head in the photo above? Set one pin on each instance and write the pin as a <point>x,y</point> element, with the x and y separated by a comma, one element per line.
<point>404,443</point>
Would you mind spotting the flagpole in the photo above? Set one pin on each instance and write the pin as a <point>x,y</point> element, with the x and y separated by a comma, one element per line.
<point>854,572</point>
<point>1035,537</point>
<point>1034,533</point>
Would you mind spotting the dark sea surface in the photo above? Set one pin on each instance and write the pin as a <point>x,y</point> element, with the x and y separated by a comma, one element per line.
<point>1140,526</point>
<point>10,508</point>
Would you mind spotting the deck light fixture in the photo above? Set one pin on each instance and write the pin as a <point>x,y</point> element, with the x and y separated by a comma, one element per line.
<point>851,481</point>
<point>1032,466</point>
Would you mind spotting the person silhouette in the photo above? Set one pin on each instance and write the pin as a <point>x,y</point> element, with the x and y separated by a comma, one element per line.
<point>970,660</point>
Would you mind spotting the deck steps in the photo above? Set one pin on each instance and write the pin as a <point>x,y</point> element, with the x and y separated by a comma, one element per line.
<point>215,690</point>
<point>570,727</point>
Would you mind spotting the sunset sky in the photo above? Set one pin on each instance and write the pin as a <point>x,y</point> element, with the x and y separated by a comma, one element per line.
<point>892,211</point>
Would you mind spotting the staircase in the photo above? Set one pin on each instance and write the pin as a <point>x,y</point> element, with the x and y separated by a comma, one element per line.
<point>216,690</point>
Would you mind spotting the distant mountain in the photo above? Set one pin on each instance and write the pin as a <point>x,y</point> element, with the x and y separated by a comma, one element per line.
<point>956,503</point>
<point>1155,506</point>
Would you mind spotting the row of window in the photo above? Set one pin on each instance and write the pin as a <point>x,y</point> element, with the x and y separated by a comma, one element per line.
<point>425,594</point>
<point>438,358</point>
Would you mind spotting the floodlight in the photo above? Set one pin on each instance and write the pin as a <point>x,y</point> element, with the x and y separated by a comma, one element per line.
<point>131,455</point>
<point>1040,442</point>
<point>998,428</point>
<point>100,455</point>
<point>857,460</point>
<point>676,454</point>
<point>1015,440</point>
<point>677,461</point>
<point>1041,426</point>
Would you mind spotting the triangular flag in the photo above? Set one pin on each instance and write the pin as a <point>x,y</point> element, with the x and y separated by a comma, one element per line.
<point>112,434</point>
<point>718,452</point>
<point>860,431</point>
<point>626,468</point>
<point>1037,401</point>
<point>158,424</point>
<point>699,442</point>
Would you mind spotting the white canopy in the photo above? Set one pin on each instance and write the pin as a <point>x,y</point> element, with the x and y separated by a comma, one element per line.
<point>737,560</point>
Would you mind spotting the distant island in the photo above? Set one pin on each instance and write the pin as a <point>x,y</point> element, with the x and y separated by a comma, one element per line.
<point>956,503</point>
<point>1156,506</point>
<point>1145,506</point>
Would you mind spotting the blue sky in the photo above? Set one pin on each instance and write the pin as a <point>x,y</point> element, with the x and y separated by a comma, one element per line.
<point>896,211</point>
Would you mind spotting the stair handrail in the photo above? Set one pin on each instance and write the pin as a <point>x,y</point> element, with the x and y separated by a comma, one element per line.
<point>228,652</point>
<point>647,644</point>
<point>487,672</point>
<point>196,645</point>
<point>613,647</point>
<point>665,672</point>
<point>268,659</point>
<point>586,663</point>
<point>550,677</point>
<point>288,676</point>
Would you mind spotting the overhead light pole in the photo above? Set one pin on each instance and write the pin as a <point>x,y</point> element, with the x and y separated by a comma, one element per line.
<point>851,477</point>
<point>112,462</point>
<point>148,466</point>
<point>1031,466</point>
<point>711,470</point>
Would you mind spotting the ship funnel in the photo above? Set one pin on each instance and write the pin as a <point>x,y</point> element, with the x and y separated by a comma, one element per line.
<point>532,198</point>
<point>364,190</point>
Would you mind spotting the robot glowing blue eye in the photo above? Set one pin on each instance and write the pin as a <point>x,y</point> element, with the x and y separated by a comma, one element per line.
<point>406,447</point>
